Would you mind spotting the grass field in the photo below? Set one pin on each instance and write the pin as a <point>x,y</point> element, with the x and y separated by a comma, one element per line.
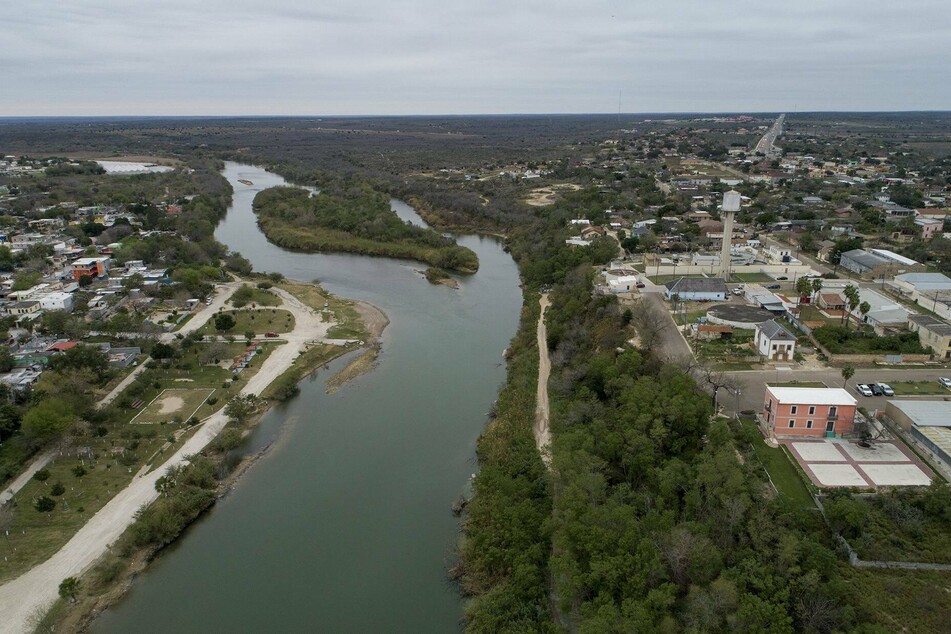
<point>173,403</point>
<point>256,296</point>
<point>260,321</point>
<point>779,466</point>
<point>799,384</point>
<point>909,388</point>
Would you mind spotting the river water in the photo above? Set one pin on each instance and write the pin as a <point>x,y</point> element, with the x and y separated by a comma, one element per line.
<point>345,525</point>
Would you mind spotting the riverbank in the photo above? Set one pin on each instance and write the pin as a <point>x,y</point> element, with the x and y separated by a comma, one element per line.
<point>27,596</point>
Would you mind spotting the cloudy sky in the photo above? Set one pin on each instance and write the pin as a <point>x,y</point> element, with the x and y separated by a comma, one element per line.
<point>179,57</point>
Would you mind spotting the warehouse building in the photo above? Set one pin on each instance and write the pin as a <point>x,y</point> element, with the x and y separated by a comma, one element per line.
<point>928,422</point>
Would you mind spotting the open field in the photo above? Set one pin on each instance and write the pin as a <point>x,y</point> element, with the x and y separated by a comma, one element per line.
<point>752,277</point>
<point>173,403</point>
<point>344,313</point>
<point>819,384</point>
<point>922,388</point>
<point>256,320</point>
<point>544,196</point>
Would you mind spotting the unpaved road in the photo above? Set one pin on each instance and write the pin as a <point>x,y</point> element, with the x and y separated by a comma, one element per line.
<point>542,430</point>
<point>28,596</point>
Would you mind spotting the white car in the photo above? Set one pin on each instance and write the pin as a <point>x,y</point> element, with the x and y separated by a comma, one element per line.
<point>945,381</point>
<point>886,389</point>
<point>863,389</point>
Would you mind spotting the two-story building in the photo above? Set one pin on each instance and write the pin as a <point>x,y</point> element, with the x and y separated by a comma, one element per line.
<point>93,267</point>
<point>932,333</point>
<point>774,342</point>
<point>808,411</point>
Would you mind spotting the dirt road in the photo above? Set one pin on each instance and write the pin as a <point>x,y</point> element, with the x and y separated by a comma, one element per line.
<point>25,598</point>
<point>542,430</point>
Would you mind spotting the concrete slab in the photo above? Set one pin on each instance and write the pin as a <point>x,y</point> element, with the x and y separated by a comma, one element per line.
<point>837,475</point>
<point>896,474</point>
<point>882,452</point>
<point>818,452</point>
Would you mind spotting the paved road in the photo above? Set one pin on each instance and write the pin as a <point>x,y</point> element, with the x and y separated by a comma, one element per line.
<point>542,430</point>
<point>673,346</point>
<point>765,144</point>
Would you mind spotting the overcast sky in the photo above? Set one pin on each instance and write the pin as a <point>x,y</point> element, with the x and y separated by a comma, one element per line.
<point>179,57</point>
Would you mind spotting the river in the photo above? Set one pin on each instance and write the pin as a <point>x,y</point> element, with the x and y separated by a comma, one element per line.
<point>344,525</point>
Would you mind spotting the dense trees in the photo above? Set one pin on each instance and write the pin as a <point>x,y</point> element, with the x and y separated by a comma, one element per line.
<point>348,216</point>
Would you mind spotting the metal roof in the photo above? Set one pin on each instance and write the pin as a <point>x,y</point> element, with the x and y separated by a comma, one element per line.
<point>926,413</point>
<point>775,331</point>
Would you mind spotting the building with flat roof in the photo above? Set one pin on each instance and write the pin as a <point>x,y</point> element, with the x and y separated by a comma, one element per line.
<point>808,411</point>
<point>932,333</point>
<point>93,267</point>
<point>878,263</point>
<point>928,422</point>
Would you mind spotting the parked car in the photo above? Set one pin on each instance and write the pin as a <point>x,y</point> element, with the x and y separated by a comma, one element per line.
<point>886,389</point>
<point>863,389</point>
<point>782,278</point>
<point>876,389</point>
<point>641,285</point>
<point>773,287</point>
<point>270,334</point>
<point>945,381</point>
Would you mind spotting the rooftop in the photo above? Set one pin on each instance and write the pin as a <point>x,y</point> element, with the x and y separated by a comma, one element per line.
<point>926,413</point>
<point>812,395</point>
<point>775,330</point>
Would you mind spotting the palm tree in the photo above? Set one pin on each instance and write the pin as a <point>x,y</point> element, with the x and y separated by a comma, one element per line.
<point>816,286</point>
<point>803,287</point>
<point>847,373</point>
<point>852,299</point>
<point>864,307</point>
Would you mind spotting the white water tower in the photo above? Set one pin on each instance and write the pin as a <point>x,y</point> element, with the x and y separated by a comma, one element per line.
<point>731,205</point>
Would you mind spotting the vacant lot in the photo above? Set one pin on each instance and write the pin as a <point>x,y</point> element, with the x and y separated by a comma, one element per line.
<point>909,388</point>
<point>173,404</point>
<point>256,320</point>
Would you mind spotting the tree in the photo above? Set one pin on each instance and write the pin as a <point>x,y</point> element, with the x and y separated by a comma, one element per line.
<point>44,504</point>
<point>816,286</point>
<point>84,280</point>
<point>852,300</point>
<point>162,351</point>
<point>224,322</point>
<point>847,373</point>
<point>864,307</point>
<point>69,588</point>
<point>6,359</point>
<point>803,287</point>
<point>47,419</point>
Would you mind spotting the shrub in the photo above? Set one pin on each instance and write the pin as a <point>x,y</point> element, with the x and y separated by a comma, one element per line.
<point>44,504</point>
<point>58,489</point>
<point>79,471</point>
<point>42,475</point>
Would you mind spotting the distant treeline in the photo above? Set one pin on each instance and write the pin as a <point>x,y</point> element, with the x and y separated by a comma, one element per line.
<point>353,218</point>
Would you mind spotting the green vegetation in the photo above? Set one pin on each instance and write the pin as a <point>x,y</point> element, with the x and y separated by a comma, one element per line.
<point>256,320</point>
<point>777,463</point>
<point>435,275</point>
<point>752,277</point>
<point>899,525</point>
<point>285,387</point>
<point>506,535</point>
<point>353,218</point>
<point>910,388</point>
<point>255,296</point>
<point>841,340</point>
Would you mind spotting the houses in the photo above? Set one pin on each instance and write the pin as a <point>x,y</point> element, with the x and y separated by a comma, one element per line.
<point>830,301</point>
<point>930,227</point>
<point>92,267</point>
<point>808,412</point>
<point>774,342</point>
<point>932,333</point>
<point>702,289</point>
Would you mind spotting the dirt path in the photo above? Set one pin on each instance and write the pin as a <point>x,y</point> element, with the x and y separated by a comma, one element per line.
<point>20,481</point>
<point>31,594</point>
<point>542,431</point>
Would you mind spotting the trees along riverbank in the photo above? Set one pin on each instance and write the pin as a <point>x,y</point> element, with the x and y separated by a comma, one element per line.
<point>355,220</point>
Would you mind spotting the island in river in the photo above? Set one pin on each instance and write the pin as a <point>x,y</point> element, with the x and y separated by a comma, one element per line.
<point>353,219</point>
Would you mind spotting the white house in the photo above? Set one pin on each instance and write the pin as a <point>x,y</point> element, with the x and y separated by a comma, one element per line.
<point>774,342</point>
<point>56,301</point>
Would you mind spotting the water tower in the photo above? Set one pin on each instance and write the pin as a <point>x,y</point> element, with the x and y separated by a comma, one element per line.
<point>731,205</point>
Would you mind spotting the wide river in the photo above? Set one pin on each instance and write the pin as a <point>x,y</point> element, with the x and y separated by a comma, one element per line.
<point>345,524</point>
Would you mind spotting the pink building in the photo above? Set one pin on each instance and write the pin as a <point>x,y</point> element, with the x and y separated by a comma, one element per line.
<point>808,411</point>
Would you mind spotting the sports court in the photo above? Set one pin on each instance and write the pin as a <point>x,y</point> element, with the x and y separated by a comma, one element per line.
<point>172,402</point>
<point>835,462</point>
